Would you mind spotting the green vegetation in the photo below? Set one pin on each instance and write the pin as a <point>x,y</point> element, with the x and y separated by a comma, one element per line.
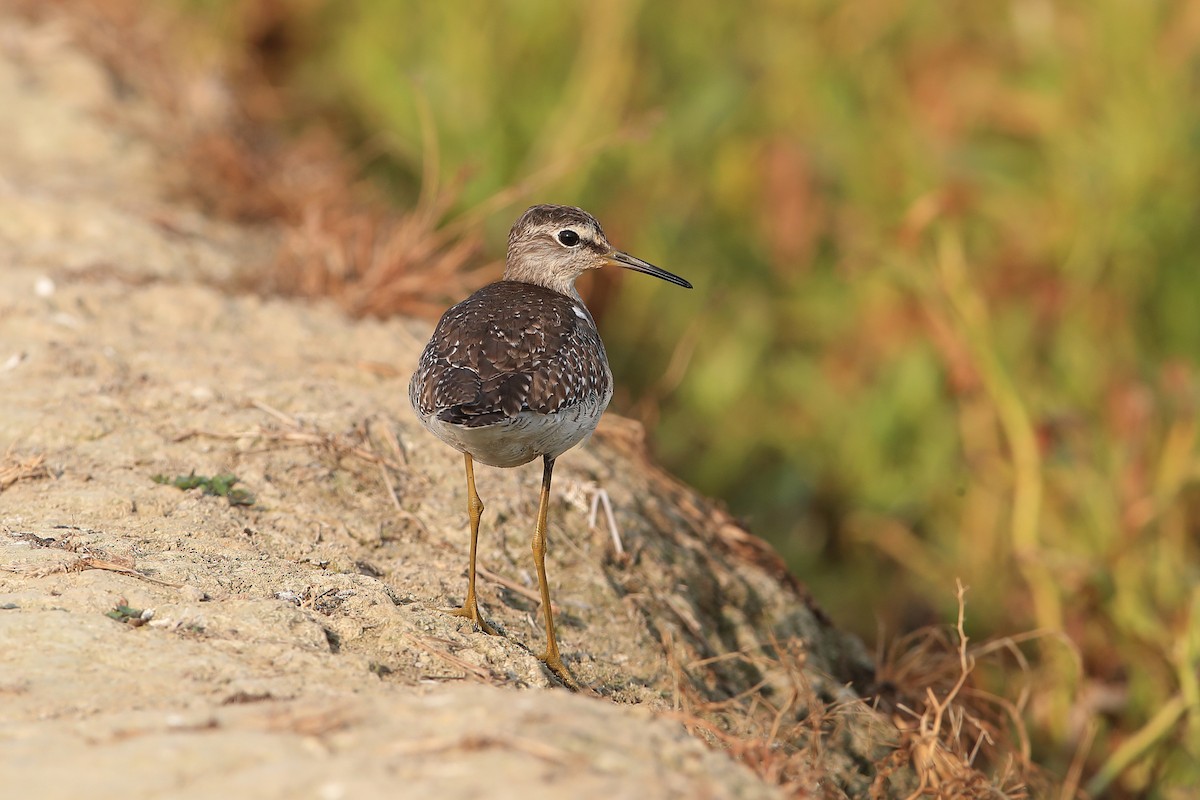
<point>127,615</point>
<point>947,314</point>
<point>217,485</point>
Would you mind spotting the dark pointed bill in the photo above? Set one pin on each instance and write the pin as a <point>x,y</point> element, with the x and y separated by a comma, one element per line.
<point>620,259</point>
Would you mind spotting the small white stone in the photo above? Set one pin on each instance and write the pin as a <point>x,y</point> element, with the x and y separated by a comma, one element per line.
<point>192,593</point>
<point>13,361</point>
<point>44,287</point>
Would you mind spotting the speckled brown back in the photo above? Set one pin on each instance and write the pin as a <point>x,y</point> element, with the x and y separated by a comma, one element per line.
<point>508,348</point>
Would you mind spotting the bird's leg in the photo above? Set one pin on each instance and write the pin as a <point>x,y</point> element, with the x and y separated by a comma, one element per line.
<point>551,657</point>
<point>470,609</point>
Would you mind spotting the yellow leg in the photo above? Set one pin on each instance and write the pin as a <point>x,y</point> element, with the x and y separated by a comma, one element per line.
<point>470,609</point>
<point>551,656</point>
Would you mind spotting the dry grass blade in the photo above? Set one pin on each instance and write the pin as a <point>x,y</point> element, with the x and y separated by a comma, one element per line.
<point>946,724</point>
<point>444,744</point>
<point>85,563</point>
<point>15,468</point>
<point>338,445</point>
<point>958,741</point>
<point>513,586</point>
<point>783,742</point>
<point>470,670</point>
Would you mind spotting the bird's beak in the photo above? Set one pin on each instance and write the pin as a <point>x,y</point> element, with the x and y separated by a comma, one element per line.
<point>620,259</point>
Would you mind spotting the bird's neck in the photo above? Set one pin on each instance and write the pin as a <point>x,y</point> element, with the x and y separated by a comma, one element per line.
<point>554,283</point>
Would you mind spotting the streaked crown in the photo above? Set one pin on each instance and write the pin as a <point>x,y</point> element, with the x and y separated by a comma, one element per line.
<point>553,245</point>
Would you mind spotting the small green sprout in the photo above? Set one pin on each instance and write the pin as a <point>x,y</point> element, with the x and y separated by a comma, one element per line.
<point>218,485</point>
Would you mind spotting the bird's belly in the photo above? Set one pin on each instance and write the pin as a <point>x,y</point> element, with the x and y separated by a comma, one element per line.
<point>524,437</point>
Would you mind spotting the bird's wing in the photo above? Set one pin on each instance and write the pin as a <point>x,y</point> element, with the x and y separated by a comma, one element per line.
<point>508,348</point>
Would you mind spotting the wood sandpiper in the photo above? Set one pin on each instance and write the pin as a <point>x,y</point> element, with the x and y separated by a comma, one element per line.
<point>517,371</point>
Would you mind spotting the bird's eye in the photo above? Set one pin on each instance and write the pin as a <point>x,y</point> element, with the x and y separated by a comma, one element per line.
<point>568,237</point>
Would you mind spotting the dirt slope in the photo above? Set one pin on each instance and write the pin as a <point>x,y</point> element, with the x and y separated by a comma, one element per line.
<point>294,647</point>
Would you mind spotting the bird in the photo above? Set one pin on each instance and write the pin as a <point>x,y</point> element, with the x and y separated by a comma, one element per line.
<point>517,371</point>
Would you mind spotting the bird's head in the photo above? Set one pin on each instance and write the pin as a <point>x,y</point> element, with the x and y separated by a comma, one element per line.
<point>551,246</point>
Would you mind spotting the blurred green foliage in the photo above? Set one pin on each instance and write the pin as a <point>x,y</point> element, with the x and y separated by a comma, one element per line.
<point>947,314</point>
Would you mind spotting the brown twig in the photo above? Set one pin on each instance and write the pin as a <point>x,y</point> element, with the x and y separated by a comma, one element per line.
<point>86,563</point>
<point>472,671</point>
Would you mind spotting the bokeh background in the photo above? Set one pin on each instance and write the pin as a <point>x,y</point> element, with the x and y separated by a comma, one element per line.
<point>946,321</point>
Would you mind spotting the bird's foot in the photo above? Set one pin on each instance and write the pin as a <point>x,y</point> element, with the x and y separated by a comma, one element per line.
<point>471,612</point>
<point>554,663</point>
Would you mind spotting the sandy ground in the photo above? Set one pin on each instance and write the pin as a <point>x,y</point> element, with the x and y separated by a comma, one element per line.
<point>295,647</point>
